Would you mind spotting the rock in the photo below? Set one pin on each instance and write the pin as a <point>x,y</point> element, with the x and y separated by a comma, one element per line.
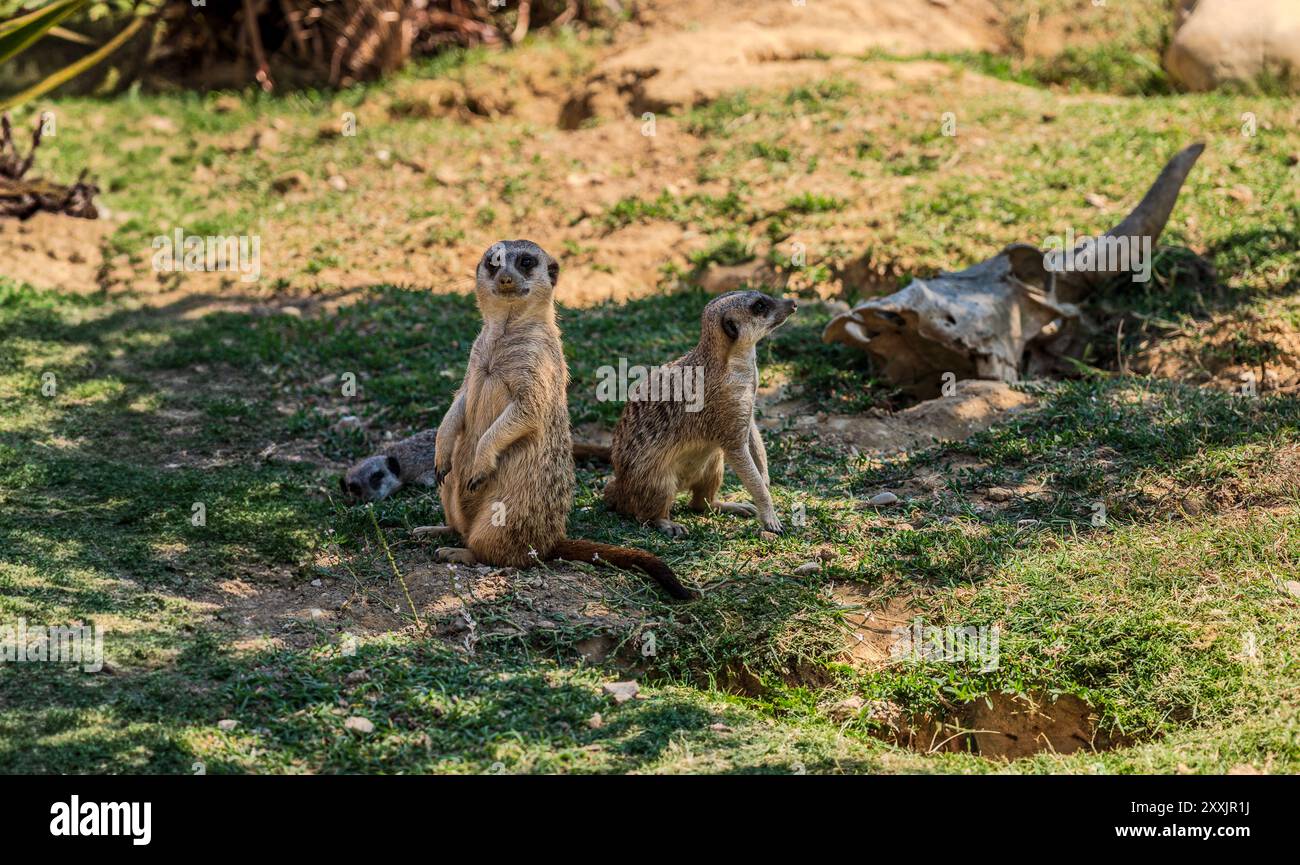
<point>620,691</point>
<point>227,725</point>
<point>595,722</point>
<point>1293,587</point>
<point>1243,43</point>
<point>447,176</point>
<point>808,568</point>
<point>264,140</point>
<point>847,708</point>
<point>317,583</point>
<point>291,181</point>
<point>347,422</point>
<point>998,494</point>
<point>357,676</point>
<point>882,500</point>
<point>316,614</point>
<point>719,727</point>
<point>358,724</point>
<point>165,125</point>
<point>338,183</point>
<point>767,536</point>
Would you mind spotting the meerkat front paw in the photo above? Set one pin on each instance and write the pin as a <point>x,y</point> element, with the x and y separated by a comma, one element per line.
<point>739,509</point>
<point>772,523</point>
<point>671,529</point>
<point>455,555</point>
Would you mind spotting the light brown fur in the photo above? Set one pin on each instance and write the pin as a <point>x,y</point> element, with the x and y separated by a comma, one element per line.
<point>504,451</point>
<point>661,448</point>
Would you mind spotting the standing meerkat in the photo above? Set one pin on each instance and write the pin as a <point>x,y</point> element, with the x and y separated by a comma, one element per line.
<point>503,451</point>
<point>397,464</point>
<point>661,447</point>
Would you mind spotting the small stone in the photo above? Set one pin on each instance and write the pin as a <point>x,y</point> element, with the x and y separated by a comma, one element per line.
<point>847,708</point>
<point>767,536</point>
<point>291,311</point>
<point>1293,587</point>
<point>358,724</point>
<point>595,722</point>
<point>227,724</point>
<point>884,499</point>
<point>316,614</point>
<point>998,494</point>
<point>290,181</point>
<point>620,691</point>
<point>347,422</point>
<point>447,176</point>
<point>338,183</point>
<point>719,727</point>
<point>317,583</point>
<point>807,568</point>
<point>357,676</point>
<point>383,155</point>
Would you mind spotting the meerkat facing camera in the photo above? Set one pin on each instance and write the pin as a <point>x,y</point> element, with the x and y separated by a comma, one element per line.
<point>503,451</point>
<point>661,447</point>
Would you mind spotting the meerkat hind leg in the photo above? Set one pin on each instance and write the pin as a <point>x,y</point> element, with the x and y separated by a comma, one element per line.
<point>435,531</point>
<point>455,555</point>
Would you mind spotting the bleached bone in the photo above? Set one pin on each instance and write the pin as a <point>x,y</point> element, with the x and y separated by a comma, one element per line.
<point>1009,316</point>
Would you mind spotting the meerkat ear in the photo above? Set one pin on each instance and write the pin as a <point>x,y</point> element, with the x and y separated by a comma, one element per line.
<point>394,466</point>
<point>730,328</point>
<point>553,271</point>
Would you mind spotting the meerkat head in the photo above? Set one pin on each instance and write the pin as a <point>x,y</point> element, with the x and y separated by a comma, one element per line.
<point>372,479</point>
<point>516,273</point>
<point>740,319</point>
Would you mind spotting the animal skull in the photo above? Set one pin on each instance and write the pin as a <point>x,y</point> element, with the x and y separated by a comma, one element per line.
<point>1009,316</point>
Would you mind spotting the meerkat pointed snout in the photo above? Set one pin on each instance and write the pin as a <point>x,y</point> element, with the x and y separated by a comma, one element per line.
<point>516,269</point>
<point>665,447</point>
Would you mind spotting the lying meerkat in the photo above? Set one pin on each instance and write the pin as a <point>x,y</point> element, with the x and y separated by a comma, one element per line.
<point>661,447</point>
<point>397,464</point>
<point>503,451</point>
<point>411,460</point>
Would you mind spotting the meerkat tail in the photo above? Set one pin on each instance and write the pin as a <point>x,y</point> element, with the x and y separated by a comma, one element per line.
<point>599,453</point>
<point>623,557</point>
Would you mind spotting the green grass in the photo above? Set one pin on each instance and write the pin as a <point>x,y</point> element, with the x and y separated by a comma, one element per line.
<point>1147,616</point>
<point>1143,617</point>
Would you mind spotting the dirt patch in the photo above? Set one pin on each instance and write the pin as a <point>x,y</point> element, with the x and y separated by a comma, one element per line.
<point>999,726</point>
<point>53,251</point>
<point>774,44</point>
<point>360,596</point>
<point>1242,353</point>
<point>974,407</point>
<point>872,628</point>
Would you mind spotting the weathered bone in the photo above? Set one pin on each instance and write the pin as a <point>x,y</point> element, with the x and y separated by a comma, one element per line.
<point>1004,317</point>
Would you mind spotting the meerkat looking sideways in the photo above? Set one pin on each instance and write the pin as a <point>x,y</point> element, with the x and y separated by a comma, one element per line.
<point>661,447</point>
<point>503,451</point>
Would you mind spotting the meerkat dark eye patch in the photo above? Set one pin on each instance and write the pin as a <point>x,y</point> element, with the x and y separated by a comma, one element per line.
<point>730,328</point>
<point>376,480</point>
<point>527,262</point>
<point>760,307</point>
<point>394,466</point>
